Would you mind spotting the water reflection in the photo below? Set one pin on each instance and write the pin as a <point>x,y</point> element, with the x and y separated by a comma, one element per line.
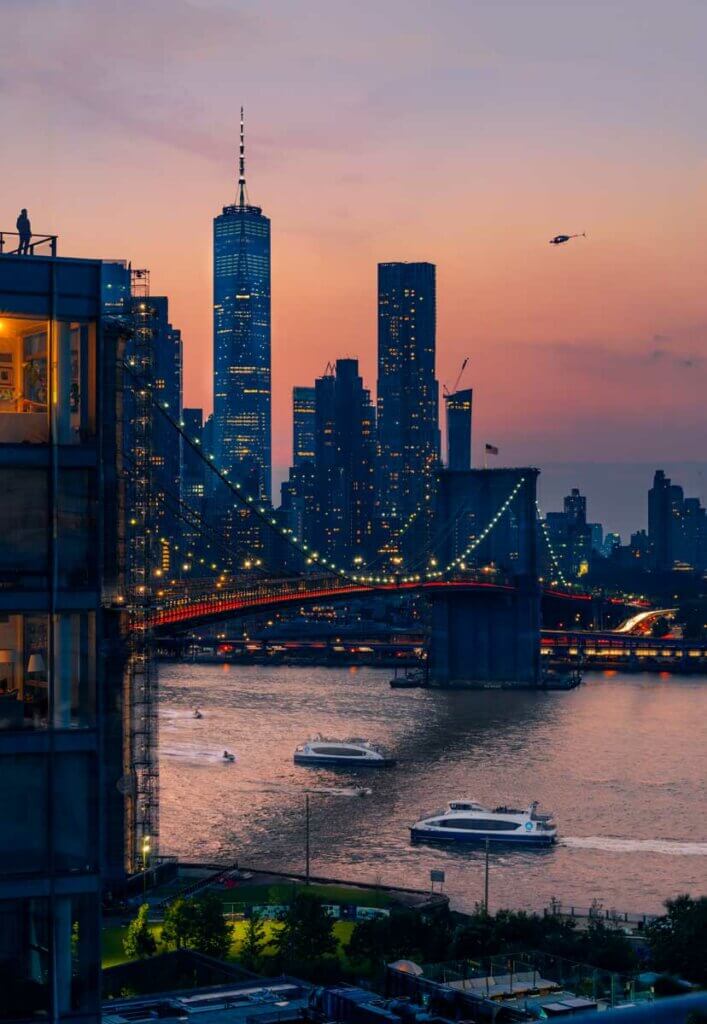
<point>621,761</point>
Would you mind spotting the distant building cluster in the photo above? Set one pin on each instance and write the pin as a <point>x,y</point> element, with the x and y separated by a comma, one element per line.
<point>676,539</point>
<point>361,486</point>
<point>362,477</point>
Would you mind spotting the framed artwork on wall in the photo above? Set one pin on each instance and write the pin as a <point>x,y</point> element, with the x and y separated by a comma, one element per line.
<point>7,376</point>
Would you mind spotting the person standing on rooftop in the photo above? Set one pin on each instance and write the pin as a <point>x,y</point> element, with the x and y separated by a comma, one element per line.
<point>25,231</point>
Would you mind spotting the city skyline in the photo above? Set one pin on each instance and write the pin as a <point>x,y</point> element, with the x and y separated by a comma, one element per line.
<point>494,163</point>
<point>416,404</point>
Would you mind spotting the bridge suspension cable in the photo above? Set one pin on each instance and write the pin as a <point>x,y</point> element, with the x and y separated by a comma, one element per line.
<point>193,519</point>
<point>260,511</point>
<point>553,557</point>
<point>255,506</point>
<point>476,541</point>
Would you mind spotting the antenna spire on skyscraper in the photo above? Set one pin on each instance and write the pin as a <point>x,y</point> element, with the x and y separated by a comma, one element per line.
<point>241,165</point>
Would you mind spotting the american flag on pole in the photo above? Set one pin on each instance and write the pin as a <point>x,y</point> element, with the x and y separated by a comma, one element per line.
<point>491,449</point>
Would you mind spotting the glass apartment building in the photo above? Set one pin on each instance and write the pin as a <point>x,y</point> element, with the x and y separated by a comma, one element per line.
<point>60,570</point>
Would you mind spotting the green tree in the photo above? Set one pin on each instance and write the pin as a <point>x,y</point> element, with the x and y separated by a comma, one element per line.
<point>306,932</point>
<point>606,946</point>
<point>197,924</point>
<point>178,927</point>
<point>678,939</point>
<point>254,942</point>
<point>139,942</point>
<point>211,932</point>
<point>402,934</point>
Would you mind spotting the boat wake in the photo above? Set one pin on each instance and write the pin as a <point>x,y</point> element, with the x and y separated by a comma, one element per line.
<point>195,756</point>
<point>615,844</point>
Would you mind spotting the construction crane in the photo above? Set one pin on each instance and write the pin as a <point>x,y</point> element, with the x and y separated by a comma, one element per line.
<point>457,382</point>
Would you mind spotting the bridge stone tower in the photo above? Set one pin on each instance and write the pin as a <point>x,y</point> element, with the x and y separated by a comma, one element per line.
<point>482,636</point>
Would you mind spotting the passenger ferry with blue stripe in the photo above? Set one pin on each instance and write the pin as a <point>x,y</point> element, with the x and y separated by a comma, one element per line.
<point>466,821</point>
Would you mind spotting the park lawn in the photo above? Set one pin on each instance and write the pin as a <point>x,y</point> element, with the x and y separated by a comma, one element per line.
<point>281,892</point>
<point>114,954</point>
<point>112,943</point>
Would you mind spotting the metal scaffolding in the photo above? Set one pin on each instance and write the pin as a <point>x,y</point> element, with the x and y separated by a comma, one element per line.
<point>140,695</point>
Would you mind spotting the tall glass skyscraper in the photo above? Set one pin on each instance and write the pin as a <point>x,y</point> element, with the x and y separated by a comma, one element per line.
<point>459,407</point>
<point>242,344</point>
<point>408,398</point>
<point>303,430</point>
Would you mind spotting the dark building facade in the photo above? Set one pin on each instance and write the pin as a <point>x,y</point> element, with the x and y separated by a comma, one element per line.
<point>573,539</point>
<point>408,401</point>
<point>303,425</point>
<point>166,442</point>
<point>344,465</point>
<point>677,527</point>
<point>297,493</point>
<point>193,484</point>
<point>459,411</point>
<point>61,666</point>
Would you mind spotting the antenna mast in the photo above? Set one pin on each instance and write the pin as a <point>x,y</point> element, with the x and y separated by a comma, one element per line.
<point>241,166</point>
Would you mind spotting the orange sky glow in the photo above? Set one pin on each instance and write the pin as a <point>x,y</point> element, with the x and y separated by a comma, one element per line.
<point>467,134</point>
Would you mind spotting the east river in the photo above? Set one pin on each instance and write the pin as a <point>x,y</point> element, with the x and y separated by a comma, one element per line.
<point>622,761</point>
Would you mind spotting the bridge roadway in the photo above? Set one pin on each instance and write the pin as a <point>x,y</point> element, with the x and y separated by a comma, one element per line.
<point>199,604</point>
<point>620,650</point>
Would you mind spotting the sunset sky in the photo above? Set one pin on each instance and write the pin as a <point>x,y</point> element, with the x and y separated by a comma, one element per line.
<point>466,133</point>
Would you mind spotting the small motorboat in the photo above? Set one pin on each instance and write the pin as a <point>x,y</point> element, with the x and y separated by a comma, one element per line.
<point>465,821</point>
<point>409,679</point>
<point>358,753</point>
<point>197,713</point>
<point>228,756</point>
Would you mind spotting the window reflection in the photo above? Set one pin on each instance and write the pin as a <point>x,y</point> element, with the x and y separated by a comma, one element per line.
<point>25,938</point>
<point>24,837</point>
<point>25,528</point>
<point>47,671</point>
<point>38,938</point>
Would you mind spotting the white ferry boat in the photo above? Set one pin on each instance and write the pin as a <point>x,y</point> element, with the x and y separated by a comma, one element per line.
<point>358,753</point>
<point>466,821</point>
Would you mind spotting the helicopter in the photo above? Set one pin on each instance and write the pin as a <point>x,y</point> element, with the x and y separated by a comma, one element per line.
<point>559,239</point>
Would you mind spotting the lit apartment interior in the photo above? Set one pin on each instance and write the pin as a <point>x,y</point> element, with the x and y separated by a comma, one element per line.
<point>45,368</point>
<point>47,673</point>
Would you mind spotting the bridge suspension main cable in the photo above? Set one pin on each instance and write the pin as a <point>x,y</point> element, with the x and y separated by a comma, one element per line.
<point>481,537</point>
<point>259,510</point>
<point>195,520</point>
<point>255,506</point>
<point>553,557</point>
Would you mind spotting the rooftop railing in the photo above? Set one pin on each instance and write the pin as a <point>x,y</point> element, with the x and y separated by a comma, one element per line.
<point>11,244</point>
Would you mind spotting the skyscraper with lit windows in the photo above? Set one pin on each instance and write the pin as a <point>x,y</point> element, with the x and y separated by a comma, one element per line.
<point>303,431</point>
<point>242,353</point>
<point>408,399</point>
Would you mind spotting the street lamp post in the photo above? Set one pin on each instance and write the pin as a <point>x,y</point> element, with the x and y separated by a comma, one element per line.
<point>306,838</point>
<point>486,880</point>
<point>307,817</point>
<point>145,859</point>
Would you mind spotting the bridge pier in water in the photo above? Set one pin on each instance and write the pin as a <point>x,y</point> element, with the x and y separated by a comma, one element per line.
<point>487,635</point>
<point>486,639</point>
